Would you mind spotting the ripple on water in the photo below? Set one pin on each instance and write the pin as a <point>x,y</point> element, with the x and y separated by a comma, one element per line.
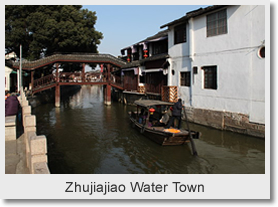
<point>85,136</point>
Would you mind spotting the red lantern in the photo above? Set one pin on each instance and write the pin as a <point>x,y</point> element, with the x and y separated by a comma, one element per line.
<point>151,110</point>
<point>145,55</point>
<point>128,57</point>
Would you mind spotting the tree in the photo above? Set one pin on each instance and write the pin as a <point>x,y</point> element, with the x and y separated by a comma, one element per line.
<point>46,29</point>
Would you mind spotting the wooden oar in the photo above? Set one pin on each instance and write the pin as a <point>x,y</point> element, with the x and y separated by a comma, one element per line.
<point>190,135</point>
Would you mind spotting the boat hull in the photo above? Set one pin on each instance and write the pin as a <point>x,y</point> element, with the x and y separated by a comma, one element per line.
<point>159,136</point>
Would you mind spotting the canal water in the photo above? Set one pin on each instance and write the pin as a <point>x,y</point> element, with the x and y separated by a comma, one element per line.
<point>86,137</point>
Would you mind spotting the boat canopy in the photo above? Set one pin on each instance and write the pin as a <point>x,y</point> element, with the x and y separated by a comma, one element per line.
<point>149,103</point>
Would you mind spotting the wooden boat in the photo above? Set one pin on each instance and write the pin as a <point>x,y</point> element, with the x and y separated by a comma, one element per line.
<point>146,120</point>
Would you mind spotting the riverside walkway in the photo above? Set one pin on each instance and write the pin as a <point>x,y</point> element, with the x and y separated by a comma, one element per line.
<point>25,151</point>
<point>15,157</point>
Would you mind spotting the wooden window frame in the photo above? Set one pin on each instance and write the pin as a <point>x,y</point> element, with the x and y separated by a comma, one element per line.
<point>217,23</point>
<point>180,34</point>
<point>185,78</point>
<point>210,77</point>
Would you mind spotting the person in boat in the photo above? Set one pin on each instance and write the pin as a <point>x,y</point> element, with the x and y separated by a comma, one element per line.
<point>166,117</point>
<point>176,114</point>
<point>142,116</point>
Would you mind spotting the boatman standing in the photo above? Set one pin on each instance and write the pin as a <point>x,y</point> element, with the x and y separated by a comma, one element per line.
<point>176,114</point>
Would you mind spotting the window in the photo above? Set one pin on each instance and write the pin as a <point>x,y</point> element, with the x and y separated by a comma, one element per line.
<point>180,34</point>
<point>160,47</point>
<point>262,52</point>
<point>217,23</point>
<point>210,77</point>
<point>185,78</point>
<point>195,70</point>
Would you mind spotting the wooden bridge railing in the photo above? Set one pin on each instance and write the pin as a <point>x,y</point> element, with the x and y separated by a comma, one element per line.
<point>46,80</point>
<point>75,77</point>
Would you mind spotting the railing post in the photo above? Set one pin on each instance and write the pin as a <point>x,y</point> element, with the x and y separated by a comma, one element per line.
<point>57,72</point>
<point>57,88</point>
<point>29,130</point>
<point>83,72</point>
<point>38,153</point>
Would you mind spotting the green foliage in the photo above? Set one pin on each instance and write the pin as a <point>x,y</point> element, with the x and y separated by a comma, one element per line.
<point>48,29</point>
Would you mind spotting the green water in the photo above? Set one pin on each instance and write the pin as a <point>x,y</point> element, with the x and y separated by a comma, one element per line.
<point>86,137</point>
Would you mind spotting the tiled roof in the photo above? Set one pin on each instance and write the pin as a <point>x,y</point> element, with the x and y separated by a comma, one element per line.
<point>194,13</point>
<point>75,57</point>
<point>157,35</point>
<point>137,63</point>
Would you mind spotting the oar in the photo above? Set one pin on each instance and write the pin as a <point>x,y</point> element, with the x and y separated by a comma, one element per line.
<point>190,135</point>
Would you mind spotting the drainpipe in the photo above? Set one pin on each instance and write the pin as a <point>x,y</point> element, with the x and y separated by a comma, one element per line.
<point>170,72</point>
<point>19,72</point>
<point>191,55</point>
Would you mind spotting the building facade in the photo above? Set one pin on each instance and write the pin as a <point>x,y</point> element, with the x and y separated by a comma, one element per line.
<point>216,57</point>
<point>145,71</point>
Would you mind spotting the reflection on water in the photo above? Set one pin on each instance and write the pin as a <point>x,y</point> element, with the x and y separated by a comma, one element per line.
<point>85,136</point>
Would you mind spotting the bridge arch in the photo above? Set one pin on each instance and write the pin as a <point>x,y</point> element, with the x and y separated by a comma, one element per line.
<point>73,57</point>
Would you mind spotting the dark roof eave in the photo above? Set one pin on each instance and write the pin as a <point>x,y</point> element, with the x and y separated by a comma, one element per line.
<point>155,57</point>
<point>192,14</point>
<point>157,35</point>
<point>137,63</point>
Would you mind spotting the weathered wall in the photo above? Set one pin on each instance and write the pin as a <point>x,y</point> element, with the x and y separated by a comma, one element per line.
<point>235,122</point>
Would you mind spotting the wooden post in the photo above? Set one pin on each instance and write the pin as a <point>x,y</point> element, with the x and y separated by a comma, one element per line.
<point>57,95</point>
<point>83,72</point>
<point>57,88</point>
<point>57,72</point>
<point>108,74</point>
<point>107,98</point>
<point>32,80</point>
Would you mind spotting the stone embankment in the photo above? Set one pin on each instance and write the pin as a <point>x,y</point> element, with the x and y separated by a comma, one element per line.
<point>28,153</point>
<point>235,122</point>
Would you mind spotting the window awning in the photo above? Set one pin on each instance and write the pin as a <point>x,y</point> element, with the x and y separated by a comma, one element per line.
<point>128,69</point>
<point>152,70</point>
<point>155,70</point>
<point>136,70</point>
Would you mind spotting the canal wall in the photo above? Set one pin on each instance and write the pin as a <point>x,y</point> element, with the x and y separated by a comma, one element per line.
<point>223,120</point>
<point>35,146</point>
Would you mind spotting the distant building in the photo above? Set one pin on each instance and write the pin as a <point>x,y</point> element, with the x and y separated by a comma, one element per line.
<point>146,59</point>
<point>216,57</point>
<point>7,78</point>
<point>10,74</point>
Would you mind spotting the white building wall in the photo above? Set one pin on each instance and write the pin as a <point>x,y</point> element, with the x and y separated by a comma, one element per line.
<point>240,72</point>
<point>7,78</point>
